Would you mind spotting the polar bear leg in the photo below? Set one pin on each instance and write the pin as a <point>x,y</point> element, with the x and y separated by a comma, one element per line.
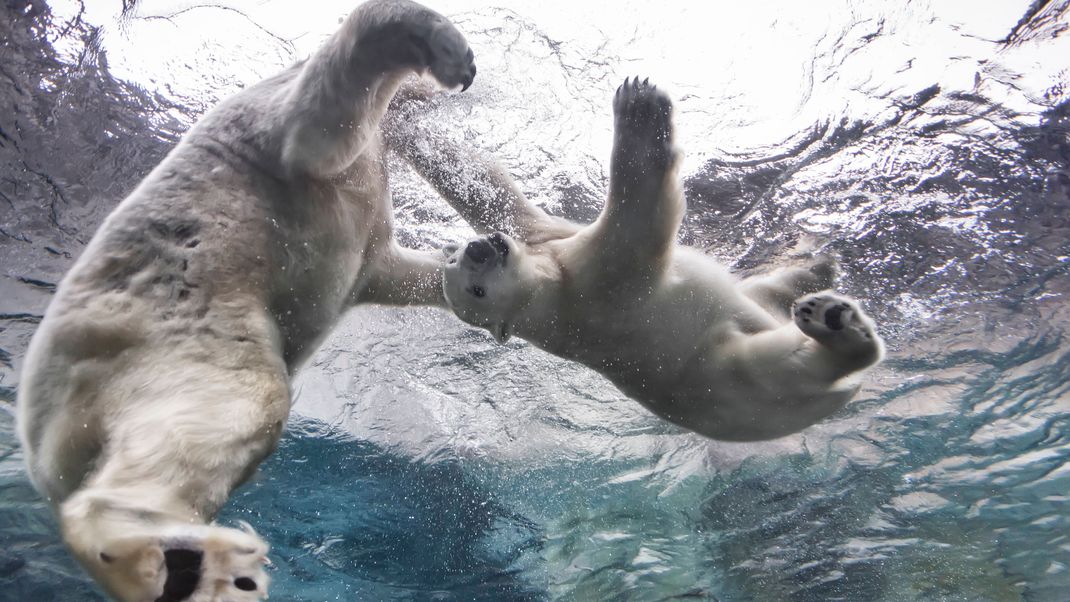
<point>475,185</point>
<point>839,325</point>
<point>185,439</point>
<point>139,560</point>
<point>400,276</point>
<point>333,106</point>
<point>645,204</point>
<point>777,291</point>
<point>831,338</point>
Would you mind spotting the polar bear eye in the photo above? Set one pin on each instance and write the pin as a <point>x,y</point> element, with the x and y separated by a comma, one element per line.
<point>478,291</point>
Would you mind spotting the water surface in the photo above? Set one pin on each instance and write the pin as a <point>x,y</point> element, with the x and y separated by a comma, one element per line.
<point>926,143</point>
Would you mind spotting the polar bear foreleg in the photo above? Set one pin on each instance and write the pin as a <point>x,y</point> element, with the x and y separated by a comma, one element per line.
<point>333,106</point>
<point>645,205</point>
<point>474,184</point>
<point>401,276</point>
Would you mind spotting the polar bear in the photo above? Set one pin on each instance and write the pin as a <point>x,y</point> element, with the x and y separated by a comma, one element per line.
<point>159,377</point>
<point>733,360</point>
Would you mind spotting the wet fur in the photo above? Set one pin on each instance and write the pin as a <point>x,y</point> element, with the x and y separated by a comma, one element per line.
<point>671,327</point>
<point>159,377</point>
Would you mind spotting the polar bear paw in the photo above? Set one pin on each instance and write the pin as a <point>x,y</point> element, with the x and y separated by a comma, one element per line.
<point>643,116</point>
<point>433,41</point>
<point>450,60</point>
<point>195,563</point>
<point>836,322</point>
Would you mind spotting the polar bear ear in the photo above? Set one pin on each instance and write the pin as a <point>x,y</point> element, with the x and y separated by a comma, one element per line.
<point>500,331</point>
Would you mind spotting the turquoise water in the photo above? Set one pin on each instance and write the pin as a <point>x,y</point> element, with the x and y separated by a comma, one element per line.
<point>924,508</point>
<point>425,462</point>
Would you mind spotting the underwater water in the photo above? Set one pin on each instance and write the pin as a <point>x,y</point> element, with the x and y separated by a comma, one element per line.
<point>925,143</point>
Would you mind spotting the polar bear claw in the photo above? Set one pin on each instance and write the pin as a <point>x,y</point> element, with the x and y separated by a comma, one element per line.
<point>643,117</point>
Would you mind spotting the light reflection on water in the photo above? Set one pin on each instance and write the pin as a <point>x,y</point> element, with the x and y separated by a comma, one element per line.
<point>926,143</point>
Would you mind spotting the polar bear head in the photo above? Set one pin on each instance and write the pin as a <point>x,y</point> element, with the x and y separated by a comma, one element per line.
<point>487,281</point>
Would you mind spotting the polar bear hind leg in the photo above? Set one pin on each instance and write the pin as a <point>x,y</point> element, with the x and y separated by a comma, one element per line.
<point>168,465</point>
<point>830,339</point>
<point>776,292</point>
<point>840,325</point>
<point>181,562</point>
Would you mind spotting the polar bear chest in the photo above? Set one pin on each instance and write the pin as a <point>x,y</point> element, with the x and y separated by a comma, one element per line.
<point>195,241</point>
<point>319,259</point>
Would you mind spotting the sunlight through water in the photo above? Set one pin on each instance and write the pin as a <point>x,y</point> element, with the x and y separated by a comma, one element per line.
<point>926,143</point>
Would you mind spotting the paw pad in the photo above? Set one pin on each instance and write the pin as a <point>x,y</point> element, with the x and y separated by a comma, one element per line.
<point>183,573</point>
<point>834,316</point>
<point>835,321</point>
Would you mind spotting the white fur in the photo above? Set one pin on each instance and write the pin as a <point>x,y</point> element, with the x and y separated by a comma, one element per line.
<point>668,325</point>
<point>159,378</point>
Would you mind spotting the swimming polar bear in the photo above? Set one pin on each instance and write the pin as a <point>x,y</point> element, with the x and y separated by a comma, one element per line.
<point>159,377</point>
<point>669,326</point>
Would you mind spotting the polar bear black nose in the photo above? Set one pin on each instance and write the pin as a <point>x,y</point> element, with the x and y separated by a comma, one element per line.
<point>479,251</point>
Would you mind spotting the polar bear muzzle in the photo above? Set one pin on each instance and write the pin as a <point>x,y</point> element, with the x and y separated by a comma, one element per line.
<point>480,251</point>
<point>481,283</point>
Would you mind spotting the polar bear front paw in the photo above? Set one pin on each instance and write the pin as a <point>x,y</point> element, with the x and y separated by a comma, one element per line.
<point>450,60</point>
<point>643,116</point>
<point>195,563</point>
<point>436,44</point>
<point>836,322</point>
<point>401,33</point>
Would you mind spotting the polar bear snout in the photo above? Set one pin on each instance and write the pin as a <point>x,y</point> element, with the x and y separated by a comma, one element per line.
<point>482,250</point>
<point>479,251</point>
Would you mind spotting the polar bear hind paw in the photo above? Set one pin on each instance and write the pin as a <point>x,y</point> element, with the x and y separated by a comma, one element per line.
<point>188,564</point>
<point>644,114</point>
<point>835,321</point>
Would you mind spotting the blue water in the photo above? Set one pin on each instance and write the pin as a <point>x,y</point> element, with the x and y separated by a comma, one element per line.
<point>928,146</point>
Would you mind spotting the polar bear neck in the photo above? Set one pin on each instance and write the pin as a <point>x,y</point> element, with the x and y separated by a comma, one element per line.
<point>545,278</point>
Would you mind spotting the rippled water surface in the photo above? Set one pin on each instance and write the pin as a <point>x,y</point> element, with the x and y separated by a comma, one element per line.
<point>926,143</point>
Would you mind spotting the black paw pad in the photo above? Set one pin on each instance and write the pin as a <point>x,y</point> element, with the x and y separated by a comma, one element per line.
<point>245,584</point>
<point>183,574</point>
<point>834,316</point>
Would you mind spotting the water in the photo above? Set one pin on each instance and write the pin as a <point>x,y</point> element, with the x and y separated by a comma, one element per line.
<point>925,142</point>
